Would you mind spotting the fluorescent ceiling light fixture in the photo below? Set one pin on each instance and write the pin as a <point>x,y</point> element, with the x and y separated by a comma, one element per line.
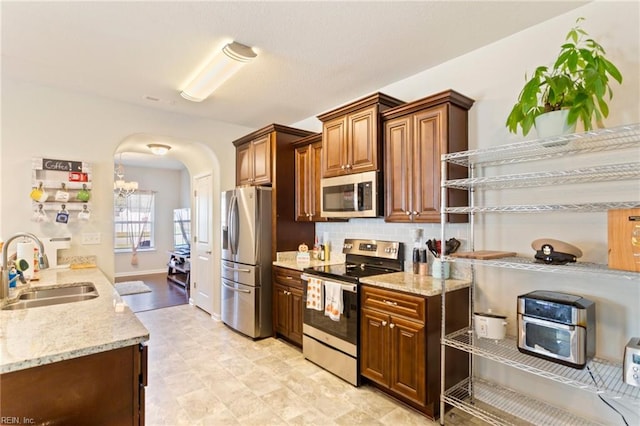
<point>158,148</point>
<point>223,65</point>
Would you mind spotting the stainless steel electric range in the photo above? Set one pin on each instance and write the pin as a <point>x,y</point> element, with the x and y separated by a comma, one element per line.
<point>331,325</point>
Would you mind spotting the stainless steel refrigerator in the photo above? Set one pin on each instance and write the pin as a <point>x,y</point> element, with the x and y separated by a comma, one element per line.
<point>246,260</point>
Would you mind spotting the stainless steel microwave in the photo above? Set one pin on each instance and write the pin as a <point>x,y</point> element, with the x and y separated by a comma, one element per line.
<point>354,195</point>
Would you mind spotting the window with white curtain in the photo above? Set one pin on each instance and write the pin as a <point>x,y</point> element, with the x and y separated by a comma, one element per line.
<point>134,221</point>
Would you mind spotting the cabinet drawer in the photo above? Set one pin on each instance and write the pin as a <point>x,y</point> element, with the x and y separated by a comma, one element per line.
<point>394,302</point>
<point>287,277</point>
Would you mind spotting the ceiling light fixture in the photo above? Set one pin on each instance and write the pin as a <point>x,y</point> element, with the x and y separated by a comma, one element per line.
<point>222,66</point>
<point>121,187</point>
<point>158,148</point>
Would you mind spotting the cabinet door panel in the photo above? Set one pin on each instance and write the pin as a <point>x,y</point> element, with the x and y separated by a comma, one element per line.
<point>303,188</point>
<point>407,375</point>
<point>334,137</point>
<point>398,170</point>
<point>362,152</point>
<point>281,309</point>
<point>374,351</point>
<point>297,313</point>
<point>429,134</point>
<point>315,171</point>
<point>244,166</point>
<point>262,160</point>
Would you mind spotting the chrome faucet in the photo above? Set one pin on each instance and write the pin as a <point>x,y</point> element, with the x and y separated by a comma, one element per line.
<point>42,260</point>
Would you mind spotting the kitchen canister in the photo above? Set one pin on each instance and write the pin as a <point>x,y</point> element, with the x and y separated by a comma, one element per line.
<point>489,325</point>
<point>437,268</point>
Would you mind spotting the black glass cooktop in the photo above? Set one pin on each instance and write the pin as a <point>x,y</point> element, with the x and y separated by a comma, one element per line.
<point>346,271</point>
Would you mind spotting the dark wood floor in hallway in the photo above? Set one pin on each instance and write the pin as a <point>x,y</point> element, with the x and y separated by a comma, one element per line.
<point>164,293</point>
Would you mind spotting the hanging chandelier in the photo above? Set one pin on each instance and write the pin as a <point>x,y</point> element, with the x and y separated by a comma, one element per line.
<point>122,188</point>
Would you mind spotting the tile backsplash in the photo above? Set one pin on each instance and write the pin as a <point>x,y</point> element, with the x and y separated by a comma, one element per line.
<point>379,229</point>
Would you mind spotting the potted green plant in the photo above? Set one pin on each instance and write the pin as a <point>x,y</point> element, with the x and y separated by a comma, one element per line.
<point>577,83</point>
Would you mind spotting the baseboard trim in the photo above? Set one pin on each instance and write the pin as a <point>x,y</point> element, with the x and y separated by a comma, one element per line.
<point>136,273</point>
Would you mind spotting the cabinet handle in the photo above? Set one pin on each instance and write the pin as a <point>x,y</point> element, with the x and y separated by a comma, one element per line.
<point>348,166</point>
<point>415,213</point>
<point>389,302</point>
<point>408,213</point>
<point>391,325</point>
<point>289,278</point>
<point>384,323</point>
<point>343,167</point>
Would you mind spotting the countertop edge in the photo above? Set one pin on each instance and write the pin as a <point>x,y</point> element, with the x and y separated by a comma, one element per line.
<point>415,284</point>
<point>64,356</point>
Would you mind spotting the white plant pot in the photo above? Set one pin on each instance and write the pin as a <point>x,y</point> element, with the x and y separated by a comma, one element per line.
<point>553,123</point>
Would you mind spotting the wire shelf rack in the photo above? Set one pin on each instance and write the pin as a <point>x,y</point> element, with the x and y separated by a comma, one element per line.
<point>600,376</point>
<point>609,172</point>
<point>615,138</point>
<point>528,264</point>
<point>498,405</point>
<point>537,208</point>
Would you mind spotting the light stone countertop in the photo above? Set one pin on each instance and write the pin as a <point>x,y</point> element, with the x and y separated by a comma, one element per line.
<point>416,284</point>
<point>287,259</point>
<point>43,335</point>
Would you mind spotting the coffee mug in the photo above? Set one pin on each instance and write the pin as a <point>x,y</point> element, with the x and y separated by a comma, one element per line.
<point>62,194</point>
<point>84,194</point>
<point>39,194</point>
<point>63,215</point>
<point>85,214</point>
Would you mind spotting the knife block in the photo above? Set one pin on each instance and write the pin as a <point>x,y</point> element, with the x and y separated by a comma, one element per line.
<point>621,223</point>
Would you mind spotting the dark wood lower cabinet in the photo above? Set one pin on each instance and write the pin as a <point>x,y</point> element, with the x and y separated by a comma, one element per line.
<point>400,344</point>
<point>106,388</point>
<point>287,304</point>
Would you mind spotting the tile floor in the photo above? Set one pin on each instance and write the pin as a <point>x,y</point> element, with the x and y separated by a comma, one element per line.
<point>203,373</point>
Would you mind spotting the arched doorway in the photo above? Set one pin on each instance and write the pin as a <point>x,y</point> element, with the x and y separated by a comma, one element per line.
<point>199,161</point>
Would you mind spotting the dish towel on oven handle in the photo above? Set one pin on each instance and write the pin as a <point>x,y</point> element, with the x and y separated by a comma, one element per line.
<point>332,300</point>
<point>314,294</point>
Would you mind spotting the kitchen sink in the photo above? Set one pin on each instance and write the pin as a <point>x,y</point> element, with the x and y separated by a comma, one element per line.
<point>77,289</point>
<point>54,296</point>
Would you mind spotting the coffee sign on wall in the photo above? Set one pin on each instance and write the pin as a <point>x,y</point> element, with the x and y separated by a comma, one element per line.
<point>61,165</point>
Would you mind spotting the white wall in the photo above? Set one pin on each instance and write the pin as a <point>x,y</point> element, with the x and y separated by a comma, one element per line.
<point>45,122</point>
<point>494,76</point>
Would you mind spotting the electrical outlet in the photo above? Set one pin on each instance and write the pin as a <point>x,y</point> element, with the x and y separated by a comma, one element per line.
<point>91,238</point>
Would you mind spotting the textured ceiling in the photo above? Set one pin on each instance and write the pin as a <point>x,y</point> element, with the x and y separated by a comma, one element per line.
<point>313,56</point>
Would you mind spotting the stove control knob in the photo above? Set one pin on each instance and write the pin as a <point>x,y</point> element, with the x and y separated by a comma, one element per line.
<point>348,245</point>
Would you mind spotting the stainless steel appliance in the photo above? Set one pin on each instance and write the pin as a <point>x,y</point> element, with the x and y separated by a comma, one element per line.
<point>557,326</point>
<point>330,343</point>
<point>246,260</point>
<point>354,195</point>
<point>631,362</point>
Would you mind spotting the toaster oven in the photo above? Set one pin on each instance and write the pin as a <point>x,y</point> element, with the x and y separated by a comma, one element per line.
<point>558,327</point>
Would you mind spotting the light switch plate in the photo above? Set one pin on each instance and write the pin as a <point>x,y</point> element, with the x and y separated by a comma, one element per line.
<point>91,238</point>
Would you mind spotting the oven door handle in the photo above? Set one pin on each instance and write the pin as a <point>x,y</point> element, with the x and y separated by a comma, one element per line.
<point>353,288</point>
<point>531,320</point>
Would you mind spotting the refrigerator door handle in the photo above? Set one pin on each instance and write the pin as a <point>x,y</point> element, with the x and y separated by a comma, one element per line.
<point>228,268</point>
<point>238,290</point>
<point>232,220</point>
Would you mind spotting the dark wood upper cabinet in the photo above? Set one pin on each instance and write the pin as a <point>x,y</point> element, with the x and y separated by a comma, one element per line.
<point>253,161</point>
<point>308,161</point>
<point>415,136</point>
<point>266,157</point>
<point>351,135</point>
